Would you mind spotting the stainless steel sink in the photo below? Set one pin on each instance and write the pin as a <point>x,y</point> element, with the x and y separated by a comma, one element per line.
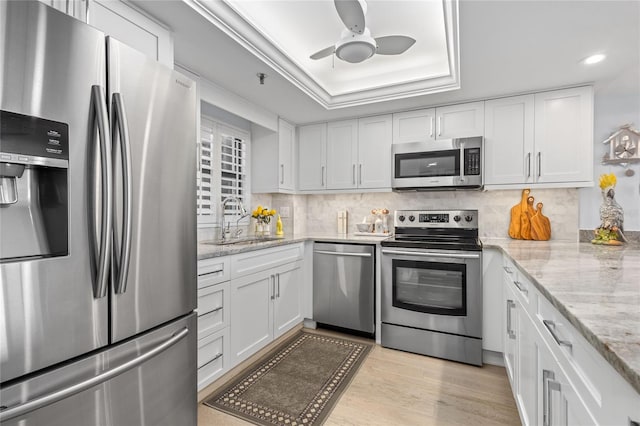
<point>246,240</point>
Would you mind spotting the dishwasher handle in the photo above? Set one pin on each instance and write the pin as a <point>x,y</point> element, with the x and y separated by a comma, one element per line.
<point>338,253</point>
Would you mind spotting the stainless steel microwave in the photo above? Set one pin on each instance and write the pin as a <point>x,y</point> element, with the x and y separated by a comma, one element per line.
<point>438,165</point>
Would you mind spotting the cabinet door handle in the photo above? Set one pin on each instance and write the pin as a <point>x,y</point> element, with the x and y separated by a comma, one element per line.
<point>281,174</point>
<point>272,278</point>
<point>551,326</point>
<point>360,174</point>
<point>431,127</point>
<point>548,384</point>
<point>539,163</point>
<point>439,125</point>
<point>322,176</point>
<point>528,164</point>
<point>510,333</point>
<point>521,287</point>
<point>278,285</point>
<point>353,174</point>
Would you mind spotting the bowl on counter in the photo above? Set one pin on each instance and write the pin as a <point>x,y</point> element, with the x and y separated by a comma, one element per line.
<point>364,227</point>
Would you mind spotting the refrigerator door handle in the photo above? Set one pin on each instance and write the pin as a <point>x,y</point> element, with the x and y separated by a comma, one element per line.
<point>100,119</point>
<point>34,404</point>
<point>121,263</point>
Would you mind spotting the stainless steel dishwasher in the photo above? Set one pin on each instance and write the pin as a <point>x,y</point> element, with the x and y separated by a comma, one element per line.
<point>343,285</point>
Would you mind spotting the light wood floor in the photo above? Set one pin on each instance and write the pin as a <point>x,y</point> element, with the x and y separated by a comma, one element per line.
<point>400,388</point>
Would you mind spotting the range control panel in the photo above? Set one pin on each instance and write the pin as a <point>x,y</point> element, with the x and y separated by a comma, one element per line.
<point>436,219</point>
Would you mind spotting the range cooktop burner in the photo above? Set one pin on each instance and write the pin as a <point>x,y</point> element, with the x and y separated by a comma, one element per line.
<point>435,230</point>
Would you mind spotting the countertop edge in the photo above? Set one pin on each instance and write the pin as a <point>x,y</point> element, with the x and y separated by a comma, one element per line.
<point>208,251</point>
<point>620,365</point>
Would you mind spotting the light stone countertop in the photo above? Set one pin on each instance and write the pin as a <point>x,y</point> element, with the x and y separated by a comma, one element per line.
<point>207,251</point>
<point>597,288</point>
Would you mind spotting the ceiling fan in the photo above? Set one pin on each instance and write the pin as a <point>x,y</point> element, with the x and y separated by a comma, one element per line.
<point>356,44</point>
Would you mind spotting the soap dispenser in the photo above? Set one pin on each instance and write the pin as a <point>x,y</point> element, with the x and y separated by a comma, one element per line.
<point>279,231</point>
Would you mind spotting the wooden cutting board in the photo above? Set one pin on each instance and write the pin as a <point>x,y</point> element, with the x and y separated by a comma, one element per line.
<point>525,219</point>
<point>540,225</point>
<point>515,225</point>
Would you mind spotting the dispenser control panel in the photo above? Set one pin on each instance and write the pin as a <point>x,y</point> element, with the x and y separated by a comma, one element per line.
<point>26,139</point>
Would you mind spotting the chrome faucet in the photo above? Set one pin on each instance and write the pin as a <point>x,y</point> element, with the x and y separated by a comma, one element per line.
<point>243,214</point>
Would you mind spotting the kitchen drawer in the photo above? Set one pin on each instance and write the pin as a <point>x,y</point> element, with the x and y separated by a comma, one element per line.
<point>521,285</point>
<point>583,365</point>
<point>212,357</point>
<point>259,260</point>
<point>213,271</point>
<point>213,308</point>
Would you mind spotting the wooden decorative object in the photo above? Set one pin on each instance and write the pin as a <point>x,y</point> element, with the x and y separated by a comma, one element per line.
<point>515,226</point>
<point>540,225</point>
<point>528,223</point>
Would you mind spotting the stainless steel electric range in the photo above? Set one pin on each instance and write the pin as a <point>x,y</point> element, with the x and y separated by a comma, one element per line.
<point>432,285</point>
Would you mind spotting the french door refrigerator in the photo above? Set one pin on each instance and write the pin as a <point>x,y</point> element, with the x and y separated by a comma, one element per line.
<point>97,228</point>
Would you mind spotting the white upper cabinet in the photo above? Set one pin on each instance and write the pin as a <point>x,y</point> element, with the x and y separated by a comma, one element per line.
<point>312,157</point>
<point>543,139</point>
<point>564,136</point>
<point>128,25</point>
<point>454,121</point>
<point>508,140</point>
<point>414,126</point>
<point>342,154</point>
<point>460,121</point>
<point>358,153</point>
<point>286,137</point>
<point>273,159</point>
<point>374,152</point>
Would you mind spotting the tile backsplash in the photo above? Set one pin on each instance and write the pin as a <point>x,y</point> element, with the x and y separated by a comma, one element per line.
<point>317,214</point>
<point>560,206</point>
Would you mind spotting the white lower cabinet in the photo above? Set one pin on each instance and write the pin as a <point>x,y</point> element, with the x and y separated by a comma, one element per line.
<point>213,357</point>
<point>213,319</point>
<point>556,376</point>
<point>264,306</point>
<point>245,301</point>
<point>251,314</point>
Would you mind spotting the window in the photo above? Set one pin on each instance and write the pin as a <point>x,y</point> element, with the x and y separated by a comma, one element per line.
<point>222,170</point>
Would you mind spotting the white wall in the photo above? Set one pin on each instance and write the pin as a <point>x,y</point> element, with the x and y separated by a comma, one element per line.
<point>617,102</point>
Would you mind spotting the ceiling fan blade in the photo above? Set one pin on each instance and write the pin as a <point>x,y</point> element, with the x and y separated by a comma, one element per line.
<point>393,45</point>
<point>351,13</point>
<point>323,53</point>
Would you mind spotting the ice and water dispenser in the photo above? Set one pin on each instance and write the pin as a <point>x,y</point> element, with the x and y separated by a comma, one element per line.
<point>34,207</point>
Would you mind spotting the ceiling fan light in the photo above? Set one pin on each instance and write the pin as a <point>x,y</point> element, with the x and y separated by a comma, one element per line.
<point>355,51</point>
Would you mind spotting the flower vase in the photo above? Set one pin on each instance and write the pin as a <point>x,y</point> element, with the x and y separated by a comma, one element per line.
<point>262,229</point>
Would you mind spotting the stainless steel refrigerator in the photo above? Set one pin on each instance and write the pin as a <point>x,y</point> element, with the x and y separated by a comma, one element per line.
<point>97,228</point>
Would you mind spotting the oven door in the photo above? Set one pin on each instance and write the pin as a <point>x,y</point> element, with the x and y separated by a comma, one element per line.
<point>439,290</point>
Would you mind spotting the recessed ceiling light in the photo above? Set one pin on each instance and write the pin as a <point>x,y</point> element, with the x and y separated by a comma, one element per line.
<point>594,59</point>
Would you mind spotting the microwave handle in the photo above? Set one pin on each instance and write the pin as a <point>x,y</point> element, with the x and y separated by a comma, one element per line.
<point>462,162</point>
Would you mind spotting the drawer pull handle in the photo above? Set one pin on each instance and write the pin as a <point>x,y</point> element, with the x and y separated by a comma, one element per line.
<point>521,287</point>
<point>633,423</point>
<point>548,385</point>
<point>508,269</point>
<point>218,356</point>
<point>551,326</point>
<point>510,304</point>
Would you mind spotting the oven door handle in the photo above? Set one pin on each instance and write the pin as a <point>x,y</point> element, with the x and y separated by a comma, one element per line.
<point>432,254</point>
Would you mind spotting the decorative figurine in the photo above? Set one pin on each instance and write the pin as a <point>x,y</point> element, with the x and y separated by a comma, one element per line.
<point>611,214</point>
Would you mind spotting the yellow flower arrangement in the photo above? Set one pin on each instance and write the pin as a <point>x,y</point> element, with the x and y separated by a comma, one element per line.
<point>263,214</point>
<point>607,180</point>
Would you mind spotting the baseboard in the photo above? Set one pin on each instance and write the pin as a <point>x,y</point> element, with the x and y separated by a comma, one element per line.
<point>231,374</point>
<point>492,358</point>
